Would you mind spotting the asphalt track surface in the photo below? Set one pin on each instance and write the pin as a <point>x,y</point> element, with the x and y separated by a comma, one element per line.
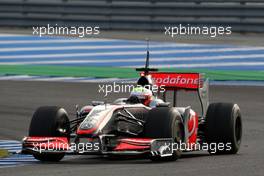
<point>18,100</point>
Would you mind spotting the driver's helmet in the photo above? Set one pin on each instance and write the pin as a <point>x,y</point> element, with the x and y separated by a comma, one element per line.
<point>143,94</point>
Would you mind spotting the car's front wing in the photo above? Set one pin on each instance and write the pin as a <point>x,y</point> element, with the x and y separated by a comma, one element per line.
<point>104,144</point>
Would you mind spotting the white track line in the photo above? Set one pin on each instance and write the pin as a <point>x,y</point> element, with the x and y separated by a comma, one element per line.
<point>9,142</point>
<point>153,60</point>
<point>15,77</point>
<point>100,80</point>
<point>88,41</point>
<point>129,53</point>
<point>70,40</point>
<point>62,79</point>
<point>10,145</point>
<point>86,47</point>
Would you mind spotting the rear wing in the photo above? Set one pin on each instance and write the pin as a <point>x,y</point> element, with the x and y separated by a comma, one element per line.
<point>171,81</point>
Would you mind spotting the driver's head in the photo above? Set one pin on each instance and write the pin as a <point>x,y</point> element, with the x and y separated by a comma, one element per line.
<point>143,94</point>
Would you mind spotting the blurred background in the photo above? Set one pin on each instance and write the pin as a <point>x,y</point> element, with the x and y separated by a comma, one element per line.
<point>120,45</point>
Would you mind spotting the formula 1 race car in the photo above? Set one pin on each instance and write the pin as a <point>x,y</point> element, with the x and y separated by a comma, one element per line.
<point>128,127</point>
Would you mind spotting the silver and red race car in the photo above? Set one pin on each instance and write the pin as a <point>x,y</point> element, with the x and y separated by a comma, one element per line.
<point>125,127</point>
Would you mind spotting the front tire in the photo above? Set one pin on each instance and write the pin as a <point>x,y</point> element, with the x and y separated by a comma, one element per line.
<point>49,121</point>
<point>224,126</point>
<point>164,122</point>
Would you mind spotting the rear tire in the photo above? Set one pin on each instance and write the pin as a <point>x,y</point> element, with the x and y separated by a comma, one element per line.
<point>164,122</point>
<point>224,126</point>
<point>49,121</point>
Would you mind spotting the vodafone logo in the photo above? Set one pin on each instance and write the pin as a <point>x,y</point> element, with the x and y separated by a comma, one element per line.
<point>182,80</point>
<point>177,80</point>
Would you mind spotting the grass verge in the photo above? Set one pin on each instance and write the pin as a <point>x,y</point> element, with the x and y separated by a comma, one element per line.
<point>3,153</point>
<point>113,72</point>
